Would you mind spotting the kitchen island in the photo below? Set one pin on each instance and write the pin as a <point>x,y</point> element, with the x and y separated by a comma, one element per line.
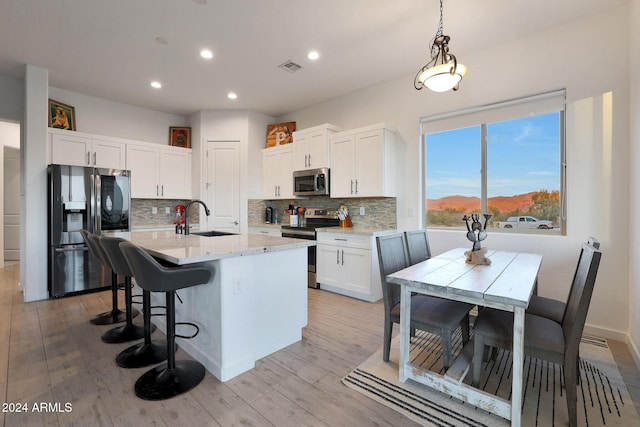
<point>254,304</point>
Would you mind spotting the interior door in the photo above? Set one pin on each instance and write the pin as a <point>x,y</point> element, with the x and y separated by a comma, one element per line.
<point>222,186</point>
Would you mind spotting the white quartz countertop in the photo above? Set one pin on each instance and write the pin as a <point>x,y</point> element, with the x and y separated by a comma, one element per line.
<point>183,249</point>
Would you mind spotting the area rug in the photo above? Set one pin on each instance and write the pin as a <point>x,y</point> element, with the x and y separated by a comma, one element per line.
<point>603,399</point>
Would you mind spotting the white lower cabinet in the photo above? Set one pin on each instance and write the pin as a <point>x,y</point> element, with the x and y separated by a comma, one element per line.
<point>347,265</point>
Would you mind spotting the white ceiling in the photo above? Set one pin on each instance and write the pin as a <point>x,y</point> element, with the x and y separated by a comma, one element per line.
<point>108,48</point>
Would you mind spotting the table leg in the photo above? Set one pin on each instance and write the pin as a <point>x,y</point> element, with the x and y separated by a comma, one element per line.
<point>405,330</point>
<point>518,360</point>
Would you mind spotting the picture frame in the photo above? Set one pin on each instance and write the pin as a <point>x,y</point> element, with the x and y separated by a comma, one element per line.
<point>180,136</point>
<point>61,116</point>
<point>280,134</point>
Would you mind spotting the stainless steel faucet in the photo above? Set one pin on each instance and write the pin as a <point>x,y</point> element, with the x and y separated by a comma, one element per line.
<point>186,213</point>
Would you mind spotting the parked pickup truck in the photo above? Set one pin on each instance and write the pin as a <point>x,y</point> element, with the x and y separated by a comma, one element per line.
<point>525,222</point>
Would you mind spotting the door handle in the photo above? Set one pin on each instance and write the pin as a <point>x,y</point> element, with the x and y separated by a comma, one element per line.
<point>342,257</point>
<point>356,186</point>
<point>234,222</point>
<point>337,256</point>
<point>88,157</point>
<point>95,158</point>
<point>157,190</point>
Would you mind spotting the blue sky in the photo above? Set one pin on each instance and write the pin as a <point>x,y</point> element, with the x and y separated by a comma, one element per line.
<point>523,156</point>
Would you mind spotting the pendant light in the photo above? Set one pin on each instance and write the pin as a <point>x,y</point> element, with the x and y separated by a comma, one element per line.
<point>442,72</point>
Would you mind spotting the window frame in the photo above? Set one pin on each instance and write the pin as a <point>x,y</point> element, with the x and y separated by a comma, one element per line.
<point>538,104</point>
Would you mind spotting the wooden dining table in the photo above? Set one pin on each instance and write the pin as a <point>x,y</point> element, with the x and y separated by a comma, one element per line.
<point>506,284</point>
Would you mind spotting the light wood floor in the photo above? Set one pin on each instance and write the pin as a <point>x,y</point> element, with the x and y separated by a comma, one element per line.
<point>51,354</point>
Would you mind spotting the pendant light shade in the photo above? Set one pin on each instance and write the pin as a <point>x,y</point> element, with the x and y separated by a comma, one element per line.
<point>442,72</point>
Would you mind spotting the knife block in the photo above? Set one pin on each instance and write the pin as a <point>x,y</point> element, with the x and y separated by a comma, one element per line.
<point>346,223</point>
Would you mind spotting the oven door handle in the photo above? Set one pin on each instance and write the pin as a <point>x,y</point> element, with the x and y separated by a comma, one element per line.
<point>300,234</point>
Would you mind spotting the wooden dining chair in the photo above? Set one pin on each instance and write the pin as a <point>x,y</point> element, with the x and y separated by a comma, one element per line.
<point>551,308</point>
<point>417,246</point>
<point>544,338</point>
<point>436,315</point>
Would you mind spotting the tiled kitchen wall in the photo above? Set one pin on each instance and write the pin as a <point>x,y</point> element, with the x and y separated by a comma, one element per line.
<point>142,212</point>
<point>380,212</point>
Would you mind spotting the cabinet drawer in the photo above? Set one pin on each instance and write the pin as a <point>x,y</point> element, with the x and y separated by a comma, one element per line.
<point>346,240</point>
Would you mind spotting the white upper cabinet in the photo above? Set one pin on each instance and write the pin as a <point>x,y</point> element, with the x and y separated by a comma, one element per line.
<point>311,147</point>
<point>175,173</point>
<point>159,172</point>
<point>144,163</point>
<point>277,172</point>
<point>363,161</point>
<point>87,150</point>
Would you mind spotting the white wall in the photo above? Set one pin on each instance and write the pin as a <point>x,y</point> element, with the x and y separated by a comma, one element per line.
<point>565,57</point>
<point>634,194</point>
<point>12,95</point>
<point>104,117</point>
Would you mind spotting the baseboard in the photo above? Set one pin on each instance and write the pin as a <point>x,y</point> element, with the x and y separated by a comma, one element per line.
<point>606,333</point>
<point>634,350</point>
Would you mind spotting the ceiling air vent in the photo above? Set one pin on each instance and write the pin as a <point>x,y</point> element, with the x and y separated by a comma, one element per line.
<point>290,66</point>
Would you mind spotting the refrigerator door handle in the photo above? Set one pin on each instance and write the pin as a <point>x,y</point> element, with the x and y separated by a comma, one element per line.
<point>97,188</point>
<point>82,248</point>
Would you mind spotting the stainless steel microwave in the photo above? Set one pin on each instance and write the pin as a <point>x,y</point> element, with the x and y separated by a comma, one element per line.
<point>311,182</point>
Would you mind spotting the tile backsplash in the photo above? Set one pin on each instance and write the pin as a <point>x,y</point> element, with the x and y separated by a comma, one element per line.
<point>380,212</point>
<point>142,212</point>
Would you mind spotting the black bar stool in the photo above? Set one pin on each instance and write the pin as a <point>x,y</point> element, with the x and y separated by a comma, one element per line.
<point>115,315</point>
<point>176,377</point>
<point>128,332</point>
<point>147,352</point>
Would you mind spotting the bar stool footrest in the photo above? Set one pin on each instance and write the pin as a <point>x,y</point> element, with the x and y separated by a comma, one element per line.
<point>187,337</point>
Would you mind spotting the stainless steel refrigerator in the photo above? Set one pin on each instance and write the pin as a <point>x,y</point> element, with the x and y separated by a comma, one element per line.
<point>88,198</point>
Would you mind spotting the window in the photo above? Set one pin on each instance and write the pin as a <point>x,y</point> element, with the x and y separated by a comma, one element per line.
<point>505,160</point>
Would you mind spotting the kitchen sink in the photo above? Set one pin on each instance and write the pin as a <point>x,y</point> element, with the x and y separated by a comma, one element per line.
<point>213,233</point>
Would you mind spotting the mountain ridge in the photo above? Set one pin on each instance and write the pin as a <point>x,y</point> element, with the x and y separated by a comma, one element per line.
<point>523,202</point>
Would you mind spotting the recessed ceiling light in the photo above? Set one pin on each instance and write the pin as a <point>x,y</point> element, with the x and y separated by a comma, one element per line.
<point>232,95</point>
<point>200,1</point>
<point>313,55</point>
<point>206,54</point>
<point>156,84</point>
<point>162,41</point>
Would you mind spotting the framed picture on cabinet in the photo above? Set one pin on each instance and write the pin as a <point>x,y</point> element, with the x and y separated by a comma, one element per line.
<point>280,133</point>
<point>61,116</point>
<point>180,137</point>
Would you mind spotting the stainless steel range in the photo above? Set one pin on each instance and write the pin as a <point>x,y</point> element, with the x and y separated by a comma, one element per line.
<point>314,218</point>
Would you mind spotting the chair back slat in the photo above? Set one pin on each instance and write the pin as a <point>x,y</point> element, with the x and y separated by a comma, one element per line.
<point>392,257</point>
<point>418,248</point>
<point>579,298</point>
